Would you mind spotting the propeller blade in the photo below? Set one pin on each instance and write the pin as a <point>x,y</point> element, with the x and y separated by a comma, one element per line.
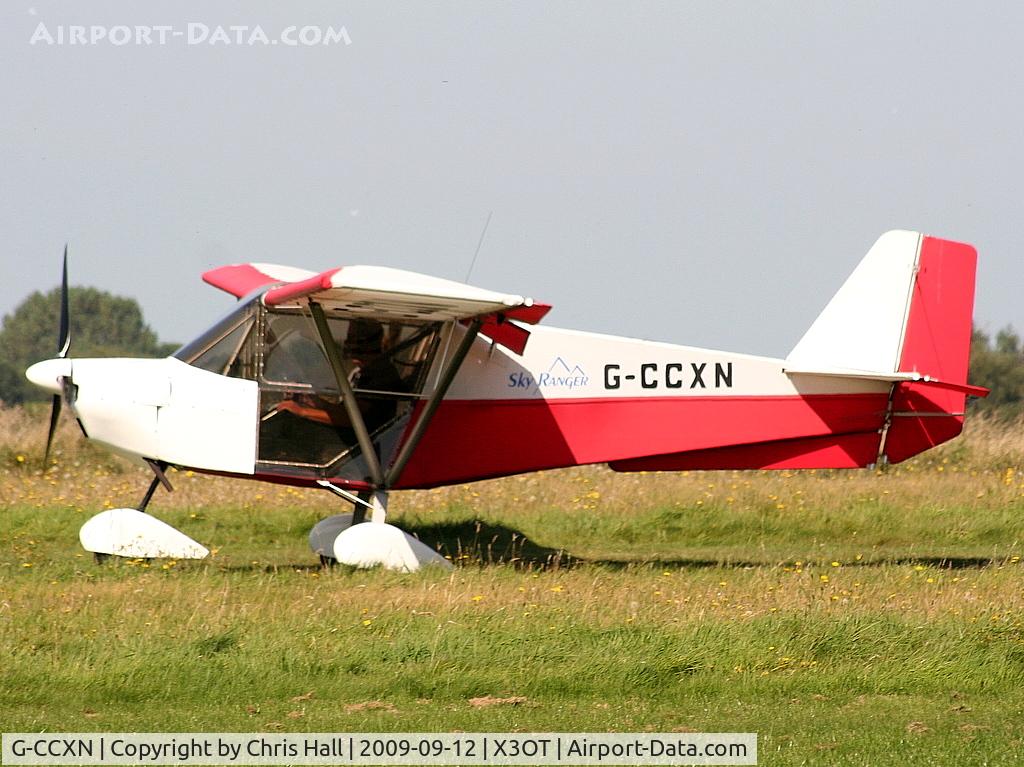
<point>63,345</point>
<point>64,339</point>
<point>54,418</point>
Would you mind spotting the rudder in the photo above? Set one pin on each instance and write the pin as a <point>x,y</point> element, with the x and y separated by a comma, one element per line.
<point>936,343</point>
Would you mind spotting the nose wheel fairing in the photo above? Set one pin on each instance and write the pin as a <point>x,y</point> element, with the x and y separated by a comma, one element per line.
<point>136,535</point>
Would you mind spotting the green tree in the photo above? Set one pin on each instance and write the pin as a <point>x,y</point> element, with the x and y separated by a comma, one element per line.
<point>102,325</point>
<point>998,366</point>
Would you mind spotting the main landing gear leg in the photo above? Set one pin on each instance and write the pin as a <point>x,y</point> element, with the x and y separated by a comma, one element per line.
<point>359,509</point>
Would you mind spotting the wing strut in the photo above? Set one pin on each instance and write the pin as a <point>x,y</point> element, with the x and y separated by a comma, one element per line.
<point>447,376</point>
<point>377,476</point>
<point>348,396</point>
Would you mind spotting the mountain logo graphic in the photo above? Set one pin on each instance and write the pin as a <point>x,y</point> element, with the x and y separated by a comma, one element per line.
<point>561,367</point>
<point>561,375</point>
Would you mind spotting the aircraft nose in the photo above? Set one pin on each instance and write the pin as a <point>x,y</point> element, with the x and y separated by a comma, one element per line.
<point>47,374</point>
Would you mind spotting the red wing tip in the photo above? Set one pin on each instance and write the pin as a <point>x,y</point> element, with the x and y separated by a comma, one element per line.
<point>236,279</point>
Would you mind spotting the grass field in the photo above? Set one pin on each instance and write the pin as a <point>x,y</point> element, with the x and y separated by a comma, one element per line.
<point>847,617</point>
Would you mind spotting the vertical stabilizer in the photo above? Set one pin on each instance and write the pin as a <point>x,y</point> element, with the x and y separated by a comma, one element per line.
<point>903,316</point>
<point>862,327</point>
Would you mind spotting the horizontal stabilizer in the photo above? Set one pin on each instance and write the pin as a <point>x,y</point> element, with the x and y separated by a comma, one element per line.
<point>926,380</point>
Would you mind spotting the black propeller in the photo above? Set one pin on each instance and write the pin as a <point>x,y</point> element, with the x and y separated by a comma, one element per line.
<point>63,345</point>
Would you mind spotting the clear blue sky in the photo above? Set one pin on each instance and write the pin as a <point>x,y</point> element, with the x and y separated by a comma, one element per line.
<point>697,172</point>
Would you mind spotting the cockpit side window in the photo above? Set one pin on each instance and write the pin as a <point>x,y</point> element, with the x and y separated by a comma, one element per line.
<point>292,353</point>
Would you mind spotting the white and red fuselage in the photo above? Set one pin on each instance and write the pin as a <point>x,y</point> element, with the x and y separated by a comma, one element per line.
<point>881,375</point>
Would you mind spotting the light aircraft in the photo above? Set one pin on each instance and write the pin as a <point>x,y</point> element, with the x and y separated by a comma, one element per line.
<point>363,380</point>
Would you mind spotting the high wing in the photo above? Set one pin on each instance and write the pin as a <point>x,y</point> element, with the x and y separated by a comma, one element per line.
<point>384,293</point>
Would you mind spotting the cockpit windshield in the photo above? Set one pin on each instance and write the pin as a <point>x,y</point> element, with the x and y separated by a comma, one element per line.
<point>220,349</point>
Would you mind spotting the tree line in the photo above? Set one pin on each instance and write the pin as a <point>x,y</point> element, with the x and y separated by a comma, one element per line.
<point>997,363</point>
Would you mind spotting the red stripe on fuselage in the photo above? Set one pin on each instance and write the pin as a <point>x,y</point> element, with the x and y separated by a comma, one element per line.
<point>478,439</point>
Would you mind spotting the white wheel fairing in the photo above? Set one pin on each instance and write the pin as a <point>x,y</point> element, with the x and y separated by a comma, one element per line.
<point>373,544</point>
<point>135,534</point>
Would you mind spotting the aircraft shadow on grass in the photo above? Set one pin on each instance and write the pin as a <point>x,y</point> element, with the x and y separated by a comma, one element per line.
<point>479,543</point>
<point>482,543</point>
<point>941,563</point>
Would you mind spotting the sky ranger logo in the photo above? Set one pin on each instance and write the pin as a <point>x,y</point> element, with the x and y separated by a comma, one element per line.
<point>559,375</point>
<point>672,375</point>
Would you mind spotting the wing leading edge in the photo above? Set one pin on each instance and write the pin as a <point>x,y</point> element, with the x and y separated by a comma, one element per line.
<point>385,293</point>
